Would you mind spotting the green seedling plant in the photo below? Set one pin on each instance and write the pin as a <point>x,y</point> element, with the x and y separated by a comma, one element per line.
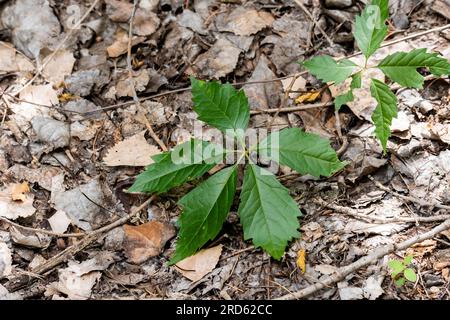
<point>400,272</point>
<point>370,30</point>
<point>268,214</point>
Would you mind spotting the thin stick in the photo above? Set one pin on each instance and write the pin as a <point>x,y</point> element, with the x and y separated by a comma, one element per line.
<point>43,231</point>
<point>18,282</point>
<point>237,84</point>
<point>60,45</point>
<point>422,203</point>
<point>300,4</point>
<point>131,83</point>
<point>293,109</point>
<point>376,254</point>
<point>356,214</point>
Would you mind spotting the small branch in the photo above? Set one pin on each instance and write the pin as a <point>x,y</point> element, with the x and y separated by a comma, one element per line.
<point>284,101</point>
<point>21,281</point>
<point>309,15</point>
<point>59,47</point>
<point>293,109</point>
<point>136,100</point>
<point>422,203</point>
<point>354,213</point>
<point>376,254</point>
<point>43,231</point>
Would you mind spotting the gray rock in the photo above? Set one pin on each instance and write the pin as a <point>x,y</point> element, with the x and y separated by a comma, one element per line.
<point>80,83</point>
<point>51,131</point>
<point>33,24</point>
<point>338,4</point>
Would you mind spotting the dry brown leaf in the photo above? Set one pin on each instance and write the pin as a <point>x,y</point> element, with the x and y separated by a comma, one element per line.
<point>244,21</point>
<point>298,85</point>
<point>199,265</point>
<point>59,66</point>
<point>43,94</point>
<point>308,97</point>
<point>422,248</point>
<point>11,209</point>
<point>134,151</point>
<point>5,260</point>
<point>18,191</point>
<point>11,60</point>
<point>120,46</point>
<point>301,260</point>
<point>147,240</point>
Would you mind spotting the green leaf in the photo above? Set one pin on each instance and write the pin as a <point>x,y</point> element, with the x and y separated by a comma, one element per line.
<point>345,98</point>
<point>401,67</point>
<point>268,214</point>
<point>370,28</point>
<point>187,161</point>
<point>396,266</point>
<point>399,282</point>
<point>328,70</point>
<point>384,8</point>
<point>356,81</point>
<point>220,105</point>
<point>410,275</point>
<point>385,111</point>
<point>407,260</point>
<point>304,152</point>
<point>205,209</point>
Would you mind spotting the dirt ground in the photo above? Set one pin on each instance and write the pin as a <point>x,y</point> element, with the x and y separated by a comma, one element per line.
<point>83,105</point>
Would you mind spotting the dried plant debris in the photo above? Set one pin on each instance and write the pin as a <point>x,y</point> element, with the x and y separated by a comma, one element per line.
<point>72,140</point>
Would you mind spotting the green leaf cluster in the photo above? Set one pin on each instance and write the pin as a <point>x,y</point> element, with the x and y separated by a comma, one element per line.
<point>268,214</point>
<point>400,272</point>
<point>400,67</point>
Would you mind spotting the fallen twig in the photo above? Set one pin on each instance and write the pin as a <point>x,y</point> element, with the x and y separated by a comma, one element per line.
<point>18,282</point>
<point>422,203</point>
<point>136,100</point>
<point>376,254</point>
<point>354,213</point>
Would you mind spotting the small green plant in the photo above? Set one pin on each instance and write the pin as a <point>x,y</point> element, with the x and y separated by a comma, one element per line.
<point>268,214</point>
<point>400,271</point>
<point>401,67</point>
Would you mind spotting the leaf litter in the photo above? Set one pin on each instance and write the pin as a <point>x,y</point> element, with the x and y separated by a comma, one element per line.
<point>65,156</point>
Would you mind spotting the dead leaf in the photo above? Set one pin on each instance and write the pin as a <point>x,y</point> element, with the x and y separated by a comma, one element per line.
<point>37,95</point>
<point>5,260</point>
<point>199,265</point>
<point>264,95</point>
<point>146,240</point>
<point>59,66</point>
<point>298,85</point>
<point>11,60</point>
<point>11,209</point>
<point>76,281</point>
<point>30,238</point>
<point>308,97</point>
<point>244,21</point>
<point>19,190</point>
<point>59,222</point>
<point>301,260</point>
<point>134,151</point>
<point>120,46</point>
<point>422,248</point>
<point>218,61</point>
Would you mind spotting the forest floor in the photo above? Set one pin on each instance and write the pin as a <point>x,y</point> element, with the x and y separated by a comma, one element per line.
<point>83,107</point>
